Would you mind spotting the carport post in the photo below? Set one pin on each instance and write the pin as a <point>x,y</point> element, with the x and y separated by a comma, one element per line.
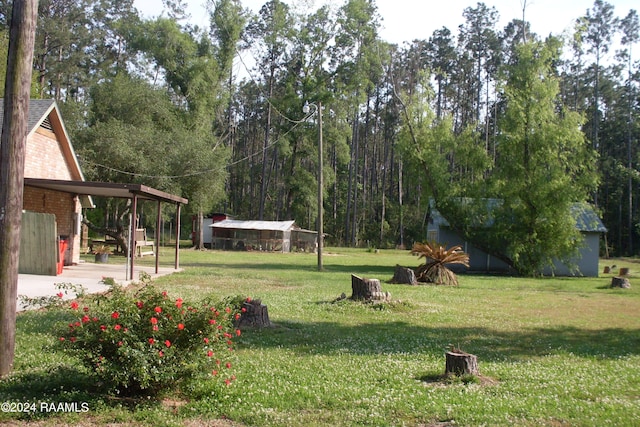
<point>157,241</point>
<point>177,261</point>
<point>132,234</point>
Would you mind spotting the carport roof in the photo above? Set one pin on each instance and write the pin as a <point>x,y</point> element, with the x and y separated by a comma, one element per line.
<point>105,189</point>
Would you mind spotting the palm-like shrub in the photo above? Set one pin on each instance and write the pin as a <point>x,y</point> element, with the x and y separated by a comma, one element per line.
<point>436,256</point>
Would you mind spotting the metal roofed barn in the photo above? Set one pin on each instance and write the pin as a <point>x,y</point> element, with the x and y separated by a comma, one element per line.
<point>251,235</point>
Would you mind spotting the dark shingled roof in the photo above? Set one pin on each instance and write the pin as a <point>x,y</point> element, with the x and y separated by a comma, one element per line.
<point>38,111</point>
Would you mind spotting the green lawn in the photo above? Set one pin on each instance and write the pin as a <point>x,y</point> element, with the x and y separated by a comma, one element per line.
<point>552,351</point>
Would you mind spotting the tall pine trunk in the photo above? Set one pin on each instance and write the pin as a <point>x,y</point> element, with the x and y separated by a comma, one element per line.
<point>12,158</point>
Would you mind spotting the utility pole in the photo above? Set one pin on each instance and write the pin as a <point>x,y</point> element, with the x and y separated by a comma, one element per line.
<point>12,156</point>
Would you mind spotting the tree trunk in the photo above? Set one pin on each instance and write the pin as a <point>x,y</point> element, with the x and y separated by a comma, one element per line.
<point>460,363</point>
<point>367,289</point>
<point>12,157</point>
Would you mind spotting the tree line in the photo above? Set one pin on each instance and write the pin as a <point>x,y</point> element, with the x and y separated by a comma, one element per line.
<point>183,109</point>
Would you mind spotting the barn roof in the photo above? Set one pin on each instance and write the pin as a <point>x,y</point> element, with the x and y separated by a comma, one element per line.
<point>587,220</point>
<point>254,225</point>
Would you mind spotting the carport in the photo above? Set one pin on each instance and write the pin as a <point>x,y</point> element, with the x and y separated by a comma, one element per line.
<point>135,192</point>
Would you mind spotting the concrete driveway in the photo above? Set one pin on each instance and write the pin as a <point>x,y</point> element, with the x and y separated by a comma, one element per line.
<point>87,274</point>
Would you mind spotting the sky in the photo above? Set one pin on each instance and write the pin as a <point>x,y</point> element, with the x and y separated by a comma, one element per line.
<point>407,20</point>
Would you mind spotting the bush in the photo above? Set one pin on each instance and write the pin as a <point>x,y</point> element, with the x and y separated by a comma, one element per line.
<point>145,341</point>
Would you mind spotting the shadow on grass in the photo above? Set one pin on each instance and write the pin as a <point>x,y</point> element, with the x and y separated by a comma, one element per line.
<point>381,272</point>
<point>404,338</point>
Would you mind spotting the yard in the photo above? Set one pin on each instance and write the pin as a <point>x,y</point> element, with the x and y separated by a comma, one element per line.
<point>552,351</point>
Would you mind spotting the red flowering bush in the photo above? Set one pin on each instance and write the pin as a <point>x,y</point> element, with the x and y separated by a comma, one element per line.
<point>146,341</point>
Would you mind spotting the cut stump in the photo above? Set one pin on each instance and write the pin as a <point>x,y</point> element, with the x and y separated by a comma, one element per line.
<point>620,282</point>
<point>255,314</point>
<point>404,275</point>
<point>367,289</point>
<point>461,363</point>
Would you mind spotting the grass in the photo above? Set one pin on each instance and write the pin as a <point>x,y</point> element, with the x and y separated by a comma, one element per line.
<point>553,351</point>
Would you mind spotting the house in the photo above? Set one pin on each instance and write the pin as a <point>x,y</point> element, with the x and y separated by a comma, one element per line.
<point>278,236</point>
<point>49,155</point>
<point>55,192</point>
<point>587,222</point>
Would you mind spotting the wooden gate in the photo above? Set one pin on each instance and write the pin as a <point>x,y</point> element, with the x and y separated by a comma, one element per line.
<point>39,249</point>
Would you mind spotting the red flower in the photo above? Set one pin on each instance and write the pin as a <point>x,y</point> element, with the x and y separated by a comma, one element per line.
<point>167,343</point>
<point>206,340</point>
<point>160,353</point>
<point>248,299</point>
<point>60,294</point>
<point>154,321</point>
<point>74,305</point>
<point>209,353</point>
<point>158,309</point>
<point>179,303</point>
<point>227,381</point>
<point>78,323</point>
<point>228,310</point>
<point>214,372</point>
<point>152,341</point>
<point>103,328</point>
<point>228,365</point>
<point>61,338</point>
<point>115,315</point>
<point>117,327</point>
<point>85,309</point>
<point>73,339</point>
<point>237,316</point>
<point>139,304</point>
<point>85,319</point>
<point>244,310</point>
<point>238,332</point>
<point>95,319</point>
<point>164,294</point>
<point>212,322</point>
<point>180,326</point>
<point>119,343</point>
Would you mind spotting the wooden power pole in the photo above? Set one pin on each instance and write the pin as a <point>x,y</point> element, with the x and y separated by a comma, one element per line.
<point>12,155</point>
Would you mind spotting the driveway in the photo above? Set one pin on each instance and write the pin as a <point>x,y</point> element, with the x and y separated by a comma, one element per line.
<point>87,274</point>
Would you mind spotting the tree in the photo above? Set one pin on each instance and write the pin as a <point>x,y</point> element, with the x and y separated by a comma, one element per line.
<point>517,207</point>
<point>544,166</point>
<point>12,156</point>
<point>630,27</point>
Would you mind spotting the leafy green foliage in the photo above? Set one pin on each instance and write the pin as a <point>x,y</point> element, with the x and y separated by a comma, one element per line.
<point>144,342</point>
<point>515,204</point>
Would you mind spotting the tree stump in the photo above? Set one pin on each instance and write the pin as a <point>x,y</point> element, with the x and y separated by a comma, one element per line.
<point>367,289</point>
<point>254,314</point>
<point>620,282</point>
<point>461,363</point>
<point>404,275</point>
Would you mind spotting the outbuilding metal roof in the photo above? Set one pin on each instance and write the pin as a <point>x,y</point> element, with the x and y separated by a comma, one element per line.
<point>254,225</point>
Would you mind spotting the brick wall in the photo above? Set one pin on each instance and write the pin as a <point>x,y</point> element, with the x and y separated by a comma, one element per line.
<point>44,158</point>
